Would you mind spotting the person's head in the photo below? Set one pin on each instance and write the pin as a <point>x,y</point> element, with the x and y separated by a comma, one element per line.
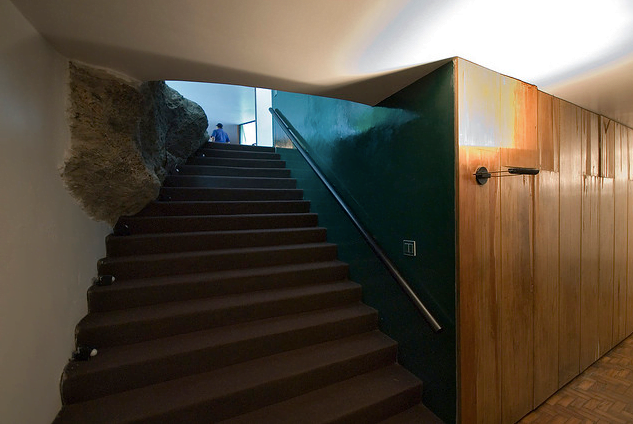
<point>219,125</point>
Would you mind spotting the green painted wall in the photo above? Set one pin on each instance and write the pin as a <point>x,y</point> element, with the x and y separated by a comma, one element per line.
<point>394,166</point>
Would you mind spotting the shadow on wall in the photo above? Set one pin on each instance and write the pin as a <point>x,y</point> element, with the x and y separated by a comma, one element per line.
<point>125,137</point>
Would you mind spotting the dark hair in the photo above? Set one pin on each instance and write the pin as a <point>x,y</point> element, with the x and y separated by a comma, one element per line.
<point>219,125</point>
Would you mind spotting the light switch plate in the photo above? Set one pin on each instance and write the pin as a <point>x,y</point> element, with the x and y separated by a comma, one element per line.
<point>408,247</point>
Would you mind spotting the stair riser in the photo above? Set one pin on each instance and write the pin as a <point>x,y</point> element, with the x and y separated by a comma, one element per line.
<point>217,223</point>
<point>275,391</point>
<point>238,147</point>
<point>235,162</point>
<point>233,172</point>
<point>223,208</point>
<point>215,261</point>
<point>226,194</point>
<point>104,300</point>
<point>134,332</point>
<point>234,154</point>
<point>385,409</point>
<point>228,182</point>
<point>130,376</point>
<point>123,246</point>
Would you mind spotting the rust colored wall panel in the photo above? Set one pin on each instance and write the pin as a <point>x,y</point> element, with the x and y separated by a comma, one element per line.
<point>620,256</point>
<point>590,143</point>
<point>516,306</point>
<point>546,244</point>
<point>570,230</point>
<point>546,271</point>
<point>479,274</point>
<point>629,291</point>
<point>589,335</point>
<point>605,298</point>
<point>607,147</point>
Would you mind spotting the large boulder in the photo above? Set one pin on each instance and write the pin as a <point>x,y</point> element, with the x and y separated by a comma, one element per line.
<point>174,125</point>
<point>125,138</point>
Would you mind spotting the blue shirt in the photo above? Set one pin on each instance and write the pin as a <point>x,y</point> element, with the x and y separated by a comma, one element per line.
<point>220,136</point>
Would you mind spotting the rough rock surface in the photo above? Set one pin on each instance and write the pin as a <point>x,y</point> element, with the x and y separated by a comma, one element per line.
<point>125,137</point>
<point>173,124</point>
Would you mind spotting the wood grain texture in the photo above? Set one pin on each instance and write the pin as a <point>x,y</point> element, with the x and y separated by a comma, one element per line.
<point>479,273</point>
<point>629,290</point>
<point>516,306</point>
<point>605,299</point>
<point>546,252</point>
<point>589,333</point>
<point>620,251</point>
<point>570,230</point>
<point>607,148</point>
<point>559,301</point>
<point>590,143</point>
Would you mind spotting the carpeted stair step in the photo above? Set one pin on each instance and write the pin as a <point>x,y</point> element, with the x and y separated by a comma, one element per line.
<point>225,208</point>
<point>177,224</point>
<point>142,266</point>
<point>128,367</point>
<point>419,414</point>
<point>145,244</point>
<point>228,194</point>
<point>237,389</point>
<point>125,294</point>
<point>237,154</point>
<point>228,182</point>
<point>126,326</point>
<point>364,399</point>
<point>235,162</point>
<point>230,171</point>
<point>239,147</point>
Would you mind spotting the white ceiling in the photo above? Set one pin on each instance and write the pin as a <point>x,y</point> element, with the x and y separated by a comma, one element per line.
<point>362,50</point>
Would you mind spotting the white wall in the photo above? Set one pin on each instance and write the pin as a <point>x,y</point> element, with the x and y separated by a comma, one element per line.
<point>48,247</point>
<point>263,101</point>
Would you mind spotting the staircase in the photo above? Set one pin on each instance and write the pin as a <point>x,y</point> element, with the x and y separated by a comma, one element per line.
<point>230,306</point>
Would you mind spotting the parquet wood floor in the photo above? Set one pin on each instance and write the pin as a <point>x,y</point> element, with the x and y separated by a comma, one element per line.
<point>602,394</point>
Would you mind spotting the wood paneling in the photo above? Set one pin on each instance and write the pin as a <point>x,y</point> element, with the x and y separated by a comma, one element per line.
<point>546,262</point>
<point>546,251</point>
<point>620,259</point>
<point>590,143</point>
<point>605,298</point>
<point>547,131</point>
<point>479,229</point>
<point>629,297</point>
<point>607,148</point>
<point>589,334</point>
<point>570,229</point>
<point>516,298</point>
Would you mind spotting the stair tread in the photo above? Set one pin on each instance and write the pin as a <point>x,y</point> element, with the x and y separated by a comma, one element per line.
<point>233,146</point>
<point>118,356</point>
<point>336,401</point>
<point>183,217</point>
<point>123,285</point>
<point>232,168</point>
<point>168,309</point>
<point>216,252</point>
<point>194,234</point>
<point>229,202</point>
<point>229,177</point>
<point>211,389</point>
<point>419,414</point>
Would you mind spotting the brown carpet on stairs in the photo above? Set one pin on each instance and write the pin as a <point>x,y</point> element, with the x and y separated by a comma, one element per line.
<point>230,306</point>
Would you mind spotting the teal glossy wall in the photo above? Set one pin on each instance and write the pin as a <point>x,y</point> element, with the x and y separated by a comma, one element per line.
<point>394,166</point>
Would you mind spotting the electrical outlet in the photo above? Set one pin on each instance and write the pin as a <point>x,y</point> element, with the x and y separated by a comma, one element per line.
<point>408,247</point>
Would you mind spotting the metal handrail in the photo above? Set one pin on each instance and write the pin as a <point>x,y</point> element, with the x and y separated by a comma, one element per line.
<point>429,318</point>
